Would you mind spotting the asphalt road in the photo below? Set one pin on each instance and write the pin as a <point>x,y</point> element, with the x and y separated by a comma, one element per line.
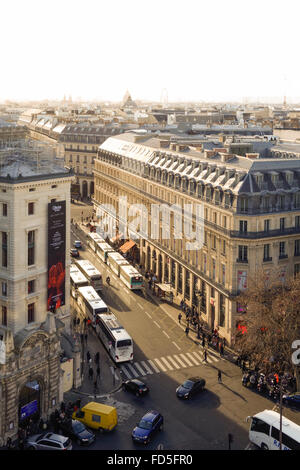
<point>164,358</point>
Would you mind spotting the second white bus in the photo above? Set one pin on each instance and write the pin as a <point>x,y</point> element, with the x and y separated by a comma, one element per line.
<point>115,261</point>
<point>90,303</point>
<point>265,431</point>
<point>91,273</point>
<point>93,238</point>
<point>114,337</point>
<point>77,279</point>
<point>103,249</point>
<point>131,277</point>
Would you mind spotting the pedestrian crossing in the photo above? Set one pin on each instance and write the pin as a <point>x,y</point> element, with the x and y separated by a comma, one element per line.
<point>166,363</point>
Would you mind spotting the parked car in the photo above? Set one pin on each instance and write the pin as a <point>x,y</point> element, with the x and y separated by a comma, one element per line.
<point>74,252</point>
<point>293,399</point>
<point>77,431</point>
<point>77,244</point>
<point>150,423</point>
<point>135,386</point>
<point>190,387</point>
<point>48,441</point>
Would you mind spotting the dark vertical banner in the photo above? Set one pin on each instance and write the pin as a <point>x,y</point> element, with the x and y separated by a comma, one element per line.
<point>56,254</point>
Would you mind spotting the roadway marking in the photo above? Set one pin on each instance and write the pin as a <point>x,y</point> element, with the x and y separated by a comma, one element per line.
<point>197,356</point>
<point>156,324</point>
<point>145,365</point>
<point>176,345</point>
<point>153,365</point>
<point>132,370</point>
<point>167,364</point>
<point>140,305</point>
<point>179,360</point>
<point>160,365</point>
<point>183,357</point>
<point>166,334</point>
<point>123,368</point>
<point>148,315</point>
<point>173,362</point>
<point>139,368</point>
<point>192,359</point>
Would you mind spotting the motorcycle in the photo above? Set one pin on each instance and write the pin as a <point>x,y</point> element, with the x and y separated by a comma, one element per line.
<point>253,380</point>
<point>261,384</point>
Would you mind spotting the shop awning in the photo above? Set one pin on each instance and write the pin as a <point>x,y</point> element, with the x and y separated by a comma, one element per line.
<point>165,287</point>
<point>127,246</point>
<point>116,238</point>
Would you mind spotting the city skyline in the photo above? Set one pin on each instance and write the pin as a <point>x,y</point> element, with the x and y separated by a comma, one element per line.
<point>216,52</point>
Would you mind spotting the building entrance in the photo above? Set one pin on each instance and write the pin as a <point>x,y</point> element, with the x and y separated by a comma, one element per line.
<point>29,403</point>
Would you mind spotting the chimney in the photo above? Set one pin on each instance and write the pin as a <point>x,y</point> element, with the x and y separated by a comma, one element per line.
<point>164,143</point>
<point>209,153</point>
<point>226,156</point>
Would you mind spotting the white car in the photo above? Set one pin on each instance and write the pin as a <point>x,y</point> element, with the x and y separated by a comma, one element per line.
<point>48,441</point>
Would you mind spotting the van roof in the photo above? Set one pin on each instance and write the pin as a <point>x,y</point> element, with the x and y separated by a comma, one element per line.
<point>98,407</point>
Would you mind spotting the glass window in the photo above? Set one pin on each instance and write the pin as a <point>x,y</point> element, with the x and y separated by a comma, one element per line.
<point>31,240</point>
<point>31,286</point>
<point>30,310</point>
<point>96,418</point>
<point>260,426</point>
<point>4,315</point>
<point>4,249</point>
<point>4,289</point>
<point>4,210</point>
<point>30,208</point>
<point>266,225</point>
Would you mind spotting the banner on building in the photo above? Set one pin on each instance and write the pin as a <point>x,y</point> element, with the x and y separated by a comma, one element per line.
<point>56,254</point>
<point>2,352</point>
<point>242,280</point>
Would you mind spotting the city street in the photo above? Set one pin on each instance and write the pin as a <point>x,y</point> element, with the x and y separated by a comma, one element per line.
<point>164,357</point>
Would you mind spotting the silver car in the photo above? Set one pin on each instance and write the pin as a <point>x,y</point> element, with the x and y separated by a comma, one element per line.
<point>48,441</point>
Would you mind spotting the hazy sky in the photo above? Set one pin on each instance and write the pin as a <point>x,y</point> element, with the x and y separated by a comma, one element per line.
<point>197,50</point>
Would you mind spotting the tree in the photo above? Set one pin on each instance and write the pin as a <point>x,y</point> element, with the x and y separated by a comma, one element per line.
<point>271,322</point>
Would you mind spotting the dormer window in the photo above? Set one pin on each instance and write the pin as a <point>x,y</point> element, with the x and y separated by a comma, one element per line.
<point>275,178</point>
<point>259,179</point>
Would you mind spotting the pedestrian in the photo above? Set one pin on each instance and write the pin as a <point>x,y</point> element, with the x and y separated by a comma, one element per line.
<point>179,317</point>
<point>97,357</point>
<point>74,323</point>
<point>88,356</point>
<point>221,350</point>
<point>86,338</point>
<point>95,386</point>
<point>21,439</point>
<point>81,337</point>
<point>205,356</point>
<point>78,322</point>
<point>98,371</point>
<point>91,373</point>
<point>181,303</point>
<point>85,321</point>
<point>224,342</point>
<point>203,342</point>
<point>219,376</point>
<point>62,407</point>
<point>9,444</point>
<point>187,330</point>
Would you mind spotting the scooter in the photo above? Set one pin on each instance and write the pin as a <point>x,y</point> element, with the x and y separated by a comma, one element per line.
<point>245,379</point>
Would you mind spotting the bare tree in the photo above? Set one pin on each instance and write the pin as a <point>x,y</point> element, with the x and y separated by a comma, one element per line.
<point>272,321</point>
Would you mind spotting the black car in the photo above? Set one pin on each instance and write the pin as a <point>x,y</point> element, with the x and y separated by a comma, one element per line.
<point>135,386</point>
<point>74,252</point>
<point>190,387</point>
<point>293,399</point>
<point>77,431</point>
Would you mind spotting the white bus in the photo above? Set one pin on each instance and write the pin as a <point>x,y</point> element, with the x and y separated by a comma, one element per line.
<point>77,280</point>
<point>91,273</point>
<point>131,277</point>
<point>90,303</point>
<point>115,261</point>
<point>92,239</point>
<point>265,431</point>
<point>102,251</point>
<point>114,337</point>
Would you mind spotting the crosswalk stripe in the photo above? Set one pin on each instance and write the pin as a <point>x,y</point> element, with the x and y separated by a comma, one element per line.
<point>179,360</point>
<point>185,359</point>
<point>139,368</point>
<point>214,358</point>
<point>132,370</point>
<point>208,359</point>
<point>192,359</point>
<point>167,364</point>
<point>145,365</point>
<point>123,368</point>
<point>197,356</point>
<point>153,365</point>
<point>173,362</point>
<point>160,365</point>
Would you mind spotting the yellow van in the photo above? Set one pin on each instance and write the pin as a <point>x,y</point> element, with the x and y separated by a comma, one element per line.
<point>97,416</point>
